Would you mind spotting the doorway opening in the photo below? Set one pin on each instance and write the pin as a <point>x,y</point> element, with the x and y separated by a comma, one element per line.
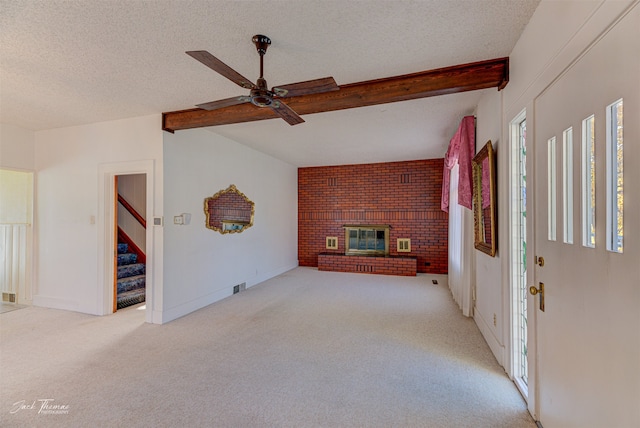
<point>131,225</point>
<point>107,227</point>
<point>518,252</point>
<point>16,232</point>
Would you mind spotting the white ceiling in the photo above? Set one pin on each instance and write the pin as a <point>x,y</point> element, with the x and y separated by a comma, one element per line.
<point>66,63</point>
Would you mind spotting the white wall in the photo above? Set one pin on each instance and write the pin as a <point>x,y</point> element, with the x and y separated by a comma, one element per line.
<point>201,266</point>
<point>489,311</point>
<point>69,238</point>
<point>16,147</point>
<point>556,38</point>
<point>556,35</point>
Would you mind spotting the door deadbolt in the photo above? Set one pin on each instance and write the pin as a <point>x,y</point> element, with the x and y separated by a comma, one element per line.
<point>540,261</point>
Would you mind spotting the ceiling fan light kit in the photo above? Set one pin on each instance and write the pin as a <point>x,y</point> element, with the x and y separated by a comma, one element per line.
<point>259,93</point>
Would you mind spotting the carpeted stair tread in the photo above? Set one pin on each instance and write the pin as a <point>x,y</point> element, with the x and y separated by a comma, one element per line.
<point>131,278</point>
<point>127,259</point>
<point>131,283</point>
<point>131,297</point>
<point>131,270</point>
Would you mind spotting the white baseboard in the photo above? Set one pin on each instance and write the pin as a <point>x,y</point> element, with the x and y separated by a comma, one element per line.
<point>192,306</point>
<point>271,274</point>
<point>58,303</point>
<point>487,332</point>
<point>199,303</point>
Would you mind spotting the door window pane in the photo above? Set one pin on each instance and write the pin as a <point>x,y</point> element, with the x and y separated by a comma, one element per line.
<point>551,185</point>
<point>588,183</point>
<point>567,185</point>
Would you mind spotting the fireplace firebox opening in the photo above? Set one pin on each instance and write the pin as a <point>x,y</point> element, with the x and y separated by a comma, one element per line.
<point>367,239</point>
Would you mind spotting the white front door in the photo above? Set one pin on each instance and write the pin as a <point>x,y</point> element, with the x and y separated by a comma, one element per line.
<point>588,336</point>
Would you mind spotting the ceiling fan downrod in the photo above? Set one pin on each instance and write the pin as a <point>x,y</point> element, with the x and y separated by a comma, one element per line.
<point>262,43</point>
<point>261,96</point>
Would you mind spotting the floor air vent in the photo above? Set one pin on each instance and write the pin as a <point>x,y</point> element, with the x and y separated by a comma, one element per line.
<point>9,297</point>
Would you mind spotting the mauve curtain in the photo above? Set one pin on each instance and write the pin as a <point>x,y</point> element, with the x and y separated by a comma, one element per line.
<point>461,150</point>
<point>457,193</point>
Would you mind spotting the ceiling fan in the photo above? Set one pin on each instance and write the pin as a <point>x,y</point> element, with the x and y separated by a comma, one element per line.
<point>259,94</point>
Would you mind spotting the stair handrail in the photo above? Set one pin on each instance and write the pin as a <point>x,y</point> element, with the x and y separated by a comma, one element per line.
<point>123,237</point>
<point>132,211</point>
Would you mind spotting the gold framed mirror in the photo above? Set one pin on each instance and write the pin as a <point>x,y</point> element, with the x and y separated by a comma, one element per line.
<point>228,211</point>
<point>484,200</point>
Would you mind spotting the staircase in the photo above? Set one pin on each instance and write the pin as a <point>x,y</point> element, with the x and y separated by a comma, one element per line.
<point>131,278</point>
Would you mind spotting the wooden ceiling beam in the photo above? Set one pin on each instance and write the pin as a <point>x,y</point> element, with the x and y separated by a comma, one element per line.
<point>442,81</point>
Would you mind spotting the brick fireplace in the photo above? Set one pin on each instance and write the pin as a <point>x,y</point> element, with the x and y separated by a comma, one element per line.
<point>403,196</point>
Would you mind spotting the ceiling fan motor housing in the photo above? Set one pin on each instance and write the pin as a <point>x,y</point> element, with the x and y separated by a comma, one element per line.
<point>261,96</point>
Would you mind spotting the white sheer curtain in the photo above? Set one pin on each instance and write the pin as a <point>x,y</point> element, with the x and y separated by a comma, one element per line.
<point>14,262</point>
<point>461,262</point>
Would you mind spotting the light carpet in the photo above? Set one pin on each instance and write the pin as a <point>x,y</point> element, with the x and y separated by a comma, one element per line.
<point>304,349</point>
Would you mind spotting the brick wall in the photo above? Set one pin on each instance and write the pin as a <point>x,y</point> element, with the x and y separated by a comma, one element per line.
<point>399,266</point>
<point>404,195</point>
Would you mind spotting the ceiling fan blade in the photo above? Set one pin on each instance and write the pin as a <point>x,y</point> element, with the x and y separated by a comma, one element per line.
<point>315,86</point>
<point>286,112</point>
<point>227,102</point>
<point>218,66</point>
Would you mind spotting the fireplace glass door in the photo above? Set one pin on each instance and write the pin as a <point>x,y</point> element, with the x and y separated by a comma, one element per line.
<point>367,240</point>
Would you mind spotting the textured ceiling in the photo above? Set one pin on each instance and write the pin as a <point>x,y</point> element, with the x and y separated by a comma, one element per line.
<point>65,63</point>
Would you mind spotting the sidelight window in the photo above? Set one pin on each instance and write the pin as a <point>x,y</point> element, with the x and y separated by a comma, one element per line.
<point>615,178</point>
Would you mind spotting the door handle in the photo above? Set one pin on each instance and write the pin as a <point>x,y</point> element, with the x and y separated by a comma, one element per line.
<point>533,290</point>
